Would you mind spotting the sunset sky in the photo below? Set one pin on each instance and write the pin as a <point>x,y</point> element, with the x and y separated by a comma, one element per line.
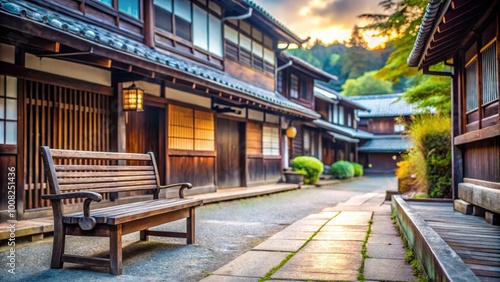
<point>328,20</point>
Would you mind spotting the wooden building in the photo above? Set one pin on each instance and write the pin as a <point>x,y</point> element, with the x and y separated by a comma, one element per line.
<point>295,80</point>
<point>383,151</point>
<point>340,134</point>
<point>212,114</point>
<point>465,35</point>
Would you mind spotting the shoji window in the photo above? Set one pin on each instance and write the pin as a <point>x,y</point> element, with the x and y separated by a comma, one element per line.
<point>471,85</point>
<point>490,74</point>
<point>294,86</point>
<point>190,129</point>
<point>270,141</point>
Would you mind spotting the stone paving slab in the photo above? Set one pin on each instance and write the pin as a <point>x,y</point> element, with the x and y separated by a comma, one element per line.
<point>280,245</point>
<point>387,270</point>
<point>384,228</point>
<point>250,264</point>
<point>385,251</point>
<point>321,215</point>
<point>317,222</point>
<point>292,235</point>
<point>324,263</point>
<point>337,247</point>
<point>345,228</point>
<point>313,276</point>
<point>302,227</point>
<point>384,238</point>
<point>223,278</point>
<point>349,236</point>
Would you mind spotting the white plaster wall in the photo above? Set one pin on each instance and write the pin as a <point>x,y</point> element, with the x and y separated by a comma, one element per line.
<point>272,118</point>
<point>69,69</point>
<point>148,87</point>
<point>7,53</point>
<point>255,115</point>
<point>188,98</point>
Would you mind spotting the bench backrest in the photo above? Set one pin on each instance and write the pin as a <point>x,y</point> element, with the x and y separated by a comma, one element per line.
<point>99,171</point>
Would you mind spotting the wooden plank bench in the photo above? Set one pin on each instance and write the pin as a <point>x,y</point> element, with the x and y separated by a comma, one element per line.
<point>90,174</point>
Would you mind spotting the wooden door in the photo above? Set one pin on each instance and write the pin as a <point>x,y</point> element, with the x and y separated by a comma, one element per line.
<point>146,132</point>
<point>229,153</point>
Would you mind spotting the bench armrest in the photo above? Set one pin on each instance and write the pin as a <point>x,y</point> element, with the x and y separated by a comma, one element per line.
<point>74,195</point>
<point>183,186</point>
<point>85,223</point>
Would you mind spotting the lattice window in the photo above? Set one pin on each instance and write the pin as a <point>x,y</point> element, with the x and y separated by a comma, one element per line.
<point>190,129</point>
<point>254,138</point>
<point>490,74</point>
<point>294,86</point>
<point>270,141</point>
<point>471,85</point>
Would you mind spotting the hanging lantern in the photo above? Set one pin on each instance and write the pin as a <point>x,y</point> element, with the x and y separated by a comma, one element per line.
<point>133,98</point>
<point>291,132</point>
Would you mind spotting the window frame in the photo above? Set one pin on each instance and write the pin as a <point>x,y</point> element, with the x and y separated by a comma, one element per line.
<point>115,7</point>
<point>4,97</point>
<point>256,36</point>
<point>210,10</point>
<point>272,147</point>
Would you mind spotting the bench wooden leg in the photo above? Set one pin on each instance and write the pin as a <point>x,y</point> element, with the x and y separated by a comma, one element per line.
<point>58,246</point>
<point>190,227</point>
<point>143,236</point>
<point>115,250</point>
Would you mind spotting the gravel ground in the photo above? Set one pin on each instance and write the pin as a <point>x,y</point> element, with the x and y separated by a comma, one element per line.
<point>224,231</point>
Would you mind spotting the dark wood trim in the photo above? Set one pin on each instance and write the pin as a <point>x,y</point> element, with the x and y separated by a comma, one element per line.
<point>481,134</point>
<point>173,152</point>
<point>9,149</point>
<point>31,74</point>
<point>155,101</point>
<point>488,184</point>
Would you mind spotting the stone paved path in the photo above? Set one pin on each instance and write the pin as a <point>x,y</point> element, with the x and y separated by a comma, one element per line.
<point>328,246</point>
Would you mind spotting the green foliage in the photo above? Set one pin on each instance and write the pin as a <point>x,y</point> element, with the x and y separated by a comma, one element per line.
<point>367,84</point>
<point>311,167</point>
<point>342,169</point>
<point>430,159</point>
<point>358,169</point>
<point>401,23</point>
<point>403,173</point>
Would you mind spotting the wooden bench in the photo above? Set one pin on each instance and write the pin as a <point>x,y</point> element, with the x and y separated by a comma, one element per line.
<point>90,174</point>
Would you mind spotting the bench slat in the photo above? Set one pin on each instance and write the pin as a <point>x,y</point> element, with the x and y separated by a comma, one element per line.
<point>129,212</point>
<point>102,168</point>
<point>70,154</point>
<point>124,189</point>
<point>91,186</point>
<point>116,180</point>
<point>65,174</point>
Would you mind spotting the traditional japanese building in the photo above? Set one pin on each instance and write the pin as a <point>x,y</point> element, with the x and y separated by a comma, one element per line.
<point>465,35</point>
<point>381,153</point>
<point>214,111</point>
<point>339,126</point>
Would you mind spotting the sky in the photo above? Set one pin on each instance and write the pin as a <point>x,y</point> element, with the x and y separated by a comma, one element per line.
<point>327,20</point>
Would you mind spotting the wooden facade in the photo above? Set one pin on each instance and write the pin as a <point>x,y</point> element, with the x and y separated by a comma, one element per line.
<point>211,115</point>
<point>466,35</point>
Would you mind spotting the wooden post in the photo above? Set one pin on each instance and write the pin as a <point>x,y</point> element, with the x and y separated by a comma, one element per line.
<point>190,234</point>
<point>456,152</point>
<point>149,23</point>
<point>115,250</point>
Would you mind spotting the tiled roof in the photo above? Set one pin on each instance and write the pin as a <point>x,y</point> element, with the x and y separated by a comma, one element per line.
<point>348,131</point>
<point>384,106</point>
<point>296,60</point>
<point>328,94</point>
<point>386,144</point>
<point>425,30</point>
<point>338,136</point>
<point>68,25</point>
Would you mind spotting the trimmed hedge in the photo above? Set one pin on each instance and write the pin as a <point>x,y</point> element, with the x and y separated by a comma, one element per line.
<point>342,169</point>
<point>311,167</point>
<point>358,169</point>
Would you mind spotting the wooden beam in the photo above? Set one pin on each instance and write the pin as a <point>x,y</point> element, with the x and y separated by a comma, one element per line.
<point>149,23</point>
<point>468,8</point>
<point>19,39</point>
<point>456,4</point>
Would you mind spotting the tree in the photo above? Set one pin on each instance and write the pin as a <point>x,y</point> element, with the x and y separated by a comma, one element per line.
<point>367,84</point>
<point>402,25</point>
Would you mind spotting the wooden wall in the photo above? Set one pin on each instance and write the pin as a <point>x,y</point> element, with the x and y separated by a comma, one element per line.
<point>263,170</point>
<point>381,126</point>
<point>482,160</point>
<point>248,74</point>
<point>198,170</point>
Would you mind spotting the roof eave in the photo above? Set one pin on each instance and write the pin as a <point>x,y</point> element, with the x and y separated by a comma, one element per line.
<point>434,13</point>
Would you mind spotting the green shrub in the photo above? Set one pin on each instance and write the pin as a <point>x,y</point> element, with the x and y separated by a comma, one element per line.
<point>358,169</point>
<point>342,169</point>
<point>430,159</point>
<point>311,167</point>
